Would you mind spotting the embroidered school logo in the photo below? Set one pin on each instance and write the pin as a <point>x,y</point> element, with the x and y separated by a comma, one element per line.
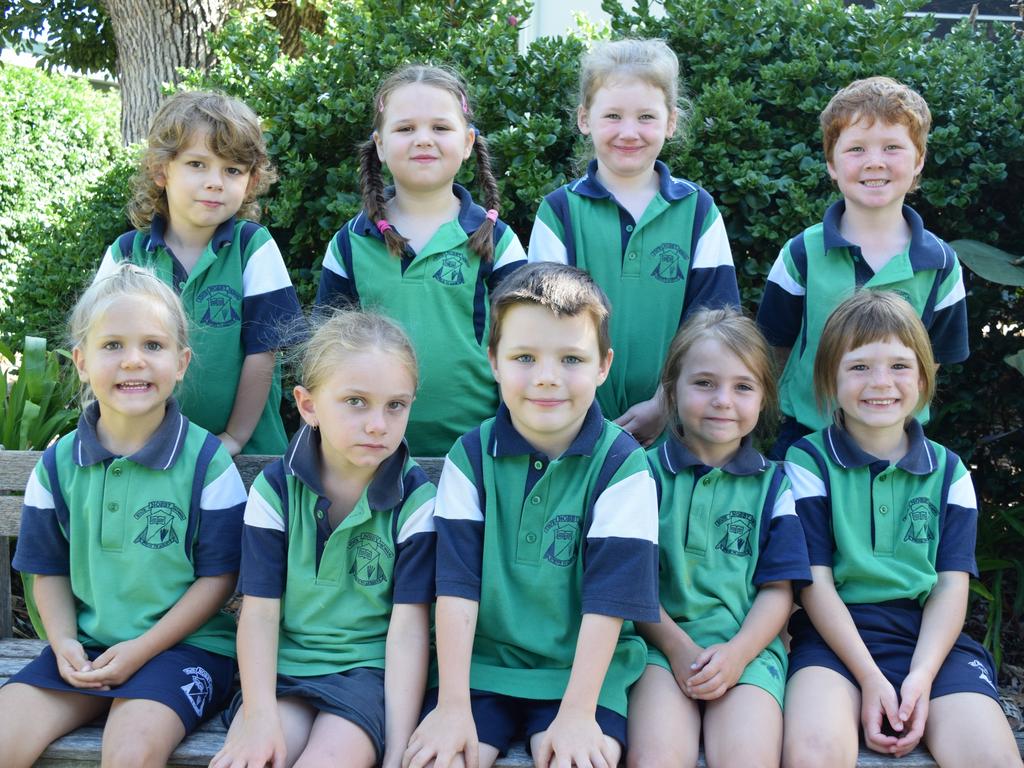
<point>563,531</point>
<point>736,536</point>
<point>773,670</point>
<point>159,529</point>
<point>221,302</point>
<point>199,691</point>
<point>982,672</point>
<point>669,268</point>
<point>920,511</point>
<point>450,271</point>
<point>366,551</point>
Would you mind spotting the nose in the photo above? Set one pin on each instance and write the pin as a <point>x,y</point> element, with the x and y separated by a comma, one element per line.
<point>880,375</point>
<point>214,179</point>
<point>546,372</point>
<point>376,424</point>
<point>628,129</point>
<point>720,399</point>
<point>132,357</point>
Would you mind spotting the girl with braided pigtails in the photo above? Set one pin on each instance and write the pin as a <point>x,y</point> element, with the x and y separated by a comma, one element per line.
<point>422,252</point>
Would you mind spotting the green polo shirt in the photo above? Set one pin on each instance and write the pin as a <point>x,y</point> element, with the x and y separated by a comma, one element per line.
<point>337,587</point>
<point>655,271</point>
<point>886,530</point>
<point>133,533</point>
<point>240,301</point>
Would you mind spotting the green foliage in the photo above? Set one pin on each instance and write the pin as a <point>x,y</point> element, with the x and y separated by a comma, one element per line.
<point>68,33</point>
<point>36,405</point>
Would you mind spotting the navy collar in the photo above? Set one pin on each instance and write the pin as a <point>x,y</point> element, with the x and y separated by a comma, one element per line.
<point>302,459</point>
<point>160,451</point>
<point>926,250</point>
<point>506,440</point>
<point>669,187</point>
<point>223,235</point>
<point>676,457</point>
<point>471,215</point>
<point>844,451</point>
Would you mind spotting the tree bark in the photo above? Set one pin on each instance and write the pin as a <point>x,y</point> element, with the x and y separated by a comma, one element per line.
<point>290,18</point>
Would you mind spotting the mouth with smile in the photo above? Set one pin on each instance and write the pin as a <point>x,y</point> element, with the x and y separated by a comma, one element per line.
<point>874,183</point>
<point>133,386</point>
<point>879,402</point>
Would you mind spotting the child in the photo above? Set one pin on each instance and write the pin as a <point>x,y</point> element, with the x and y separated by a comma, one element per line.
<point>547,541</point>
<point>337,566</point>
<point>131,531</point>
<point>875,132</point>
<point>205,162</point>
<point>423,252</point>
<point>730,543</point>
<point>654,243</point>
<point>891,519</point>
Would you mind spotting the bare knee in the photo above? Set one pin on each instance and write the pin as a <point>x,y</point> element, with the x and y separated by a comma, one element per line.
<point>122,751</point>
<point>640,757</point>
<point>812,751</point>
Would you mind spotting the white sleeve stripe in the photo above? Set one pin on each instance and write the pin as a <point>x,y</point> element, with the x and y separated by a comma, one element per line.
<point>781,277</point>
<point>108,265</point>
<point>628,510</point>
<point>713,247</point>
<point>420,521</point>
<point>260,514</point>
<point>457,497</point>
<point>331,263</point>
<point>512,254</point>
<point>956,295</point>
<point>36,495</point>
<point>962,494</point>
<point>545,245</point>
<point>806,484</point>
<point>784,504</point>
<point>225,492</point>
<point>265,271</point>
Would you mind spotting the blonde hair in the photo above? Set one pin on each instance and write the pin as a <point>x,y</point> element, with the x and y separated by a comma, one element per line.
<point>738,334</point>
<point>234,133</point>
<point>877,98</point>
<point>371,180</point>
<point>864,318</point>
<point>345,332</point>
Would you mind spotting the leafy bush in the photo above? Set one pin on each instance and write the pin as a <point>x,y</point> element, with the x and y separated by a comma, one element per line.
<point>35,406</point>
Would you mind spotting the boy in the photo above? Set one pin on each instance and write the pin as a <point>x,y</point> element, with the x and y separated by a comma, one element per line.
<point>874,132</point>
<point>547,541</point>
<point>206,161</point>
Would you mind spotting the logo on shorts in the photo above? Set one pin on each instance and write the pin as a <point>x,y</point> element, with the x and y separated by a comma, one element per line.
<point>159,530</point>
<point>920,511</point>
<point>366,552</point>
<point>564,534</point>
<point>450,271</point>
<point>200,691</point>
<point>982,668</point>
<point>221,302</point>
<point>773,670</point>
<point>670,259</point>
<point>736,537</point>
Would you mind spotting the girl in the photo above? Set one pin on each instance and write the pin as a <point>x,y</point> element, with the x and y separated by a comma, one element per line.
<point>891,519</point>
<point>206,162</point>
<point>656,244</point>
<point>423,252</point>
<point>337,566</point>
<point>131,531</point>
<point>730,544</point>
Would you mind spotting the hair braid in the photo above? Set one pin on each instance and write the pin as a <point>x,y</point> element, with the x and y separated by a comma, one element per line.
<point>482,241</point>
<point>371,187</point>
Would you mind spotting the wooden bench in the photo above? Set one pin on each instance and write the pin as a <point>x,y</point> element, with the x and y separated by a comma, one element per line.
<point>81,749</point>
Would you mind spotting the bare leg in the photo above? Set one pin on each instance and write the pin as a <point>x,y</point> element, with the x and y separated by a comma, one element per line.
<point>821,720</point>
<point>140,733</point>
<point>31,718</point>
<point>970,730</point>
<point>663,725</point>
<point>760,718</point>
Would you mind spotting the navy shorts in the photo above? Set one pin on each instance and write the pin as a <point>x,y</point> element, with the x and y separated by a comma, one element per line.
<point>356,695</point>
<point>502,719</point>
<point>890,631</point>
<point>193,682</point>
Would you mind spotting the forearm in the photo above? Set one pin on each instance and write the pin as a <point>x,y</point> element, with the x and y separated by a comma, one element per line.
<point>766,618</point>
<point>833,621</point>
<point>455,621</point>
<point>594,648</point>
<point>668,637</point>
<point>251,396</point>
<point>56,605</point>
<point>941,622</point>
<point>258,628</point>
<point>405,676</point>
<point>201,600</point>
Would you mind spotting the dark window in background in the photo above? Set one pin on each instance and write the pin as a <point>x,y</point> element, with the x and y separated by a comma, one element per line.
<point>949,12</point>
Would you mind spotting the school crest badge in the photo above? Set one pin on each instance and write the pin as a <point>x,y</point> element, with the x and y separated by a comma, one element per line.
<point>222,303</point>
<point>198,691</point>
<point>919,514</point>
<point>158,531</point>
<point>671,259</point>
<point>563,534</point>
<point>450,271</point>
<point>736,527</point>
<point>368,555</point>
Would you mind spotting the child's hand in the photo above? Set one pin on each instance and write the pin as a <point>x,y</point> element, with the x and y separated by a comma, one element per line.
<point>444,734</point>
<point>573,739</point>
<point>258,743</point>
<point>71,661</point>
<point>878,703</point>
<point>116,664</point>
<point>716,670</point>
<point>915,694</point>
<point>682,663</point>
<point>645,421</point>
<point>233,446</point>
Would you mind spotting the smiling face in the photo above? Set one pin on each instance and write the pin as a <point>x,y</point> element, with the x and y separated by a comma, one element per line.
<point>203,189</point>
<point>423,137</point>
<point>628,121</point>
<point>719,401</point>
<point>875,165</point>
<point>878,386</point>
<point>548,369</point>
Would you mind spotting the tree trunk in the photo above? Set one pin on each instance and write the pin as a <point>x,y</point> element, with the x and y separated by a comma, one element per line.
<point>290,18</point>
<point>154,38</point>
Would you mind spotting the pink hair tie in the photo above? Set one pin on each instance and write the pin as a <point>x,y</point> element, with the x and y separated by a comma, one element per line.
<point>492,215</point>
<point>383,226</point>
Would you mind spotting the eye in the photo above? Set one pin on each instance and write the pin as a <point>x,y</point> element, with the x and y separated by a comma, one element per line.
<point>703,383</point>
<point>355,402</point>
<point>855,149</point>
<point>893,148</point>
<point>612,116</point>
<point>572,360</point>
<point>648,116</point>
<point>154,346</point>
<point>234,171</point>
<point>523,358</point>
<point>900,367</point>
<point>745,387</point>
<point>397,405</point>
<point>112,345</point>
<point>194,163</point>
<point>858,367</point>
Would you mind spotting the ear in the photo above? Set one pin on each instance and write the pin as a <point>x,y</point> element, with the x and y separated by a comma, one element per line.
<point>920,165</point>
<point>673,122</point>
<point>605,367</point>
<point>494,364</point>
<point>307,408</point>
<point>160,176</point>
<point>254,179</point>
<point>470,141</point>
<point>184,358</point>
<point>831,169</point>
<point>78,357</point>
<point>583,120</point>
<point>379,143</point>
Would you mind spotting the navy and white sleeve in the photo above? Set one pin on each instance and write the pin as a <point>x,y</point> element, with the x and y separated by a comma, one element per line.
<point>813,507</point>
<point>264,536</point>
<point>42,542</point>
<point>959,531</point>
<point>781,312</point>
<point>416,541</point>
<point>271,315</point>
<point>217,549</point>
<point>337,284</point>
<point>783,547</point>
<point>459,520</point>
